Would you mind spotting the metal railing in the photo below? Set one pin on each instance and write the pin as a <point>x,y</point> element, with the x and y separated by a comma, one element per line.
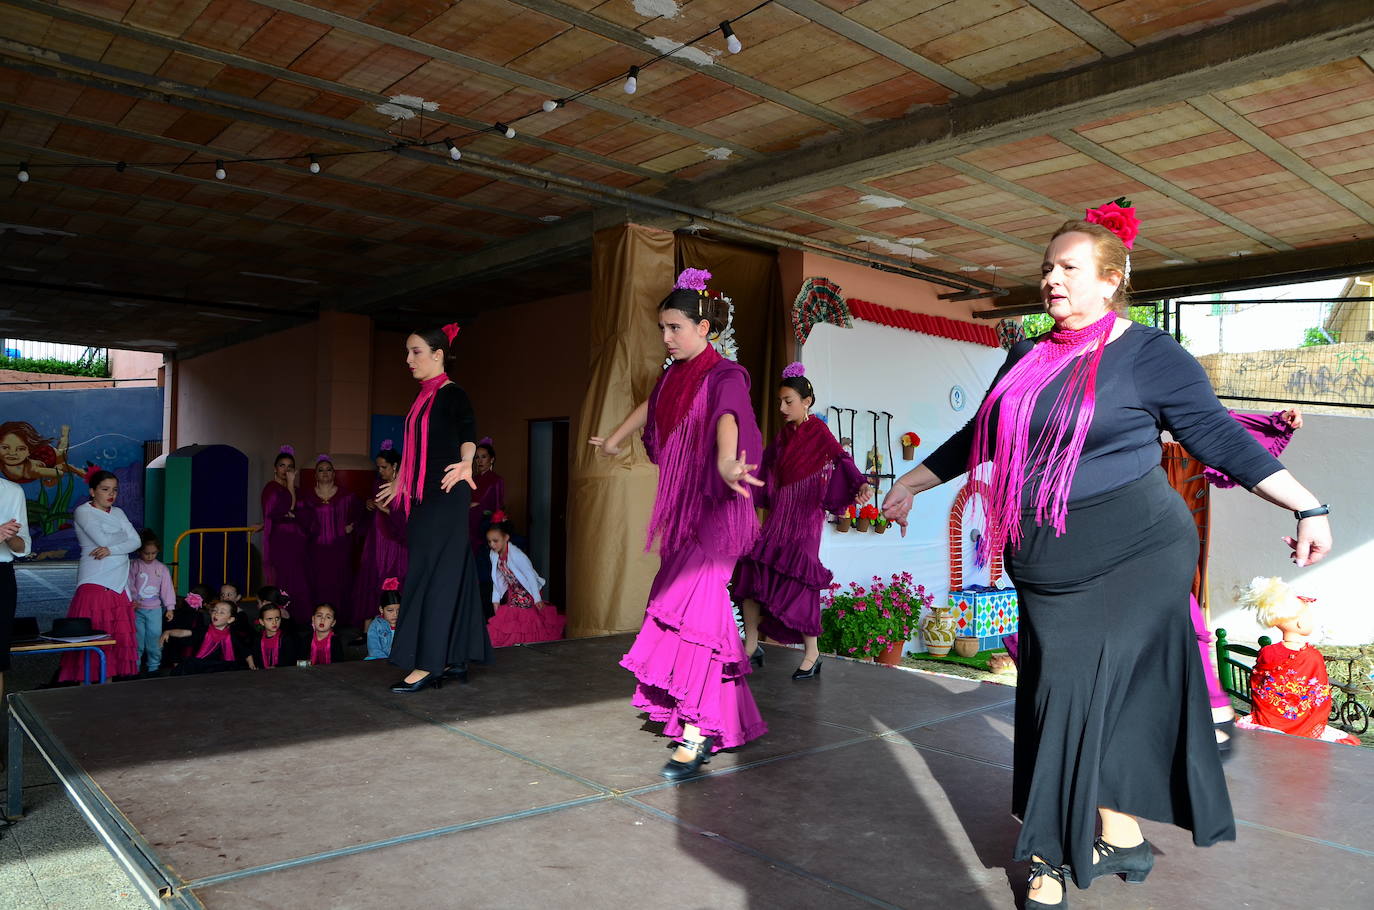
<point>1234,675</point>
<point>246,589</point>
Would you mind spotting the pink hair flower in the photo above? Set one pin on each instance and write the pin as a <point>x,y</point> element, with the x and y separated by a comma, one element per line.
<point>451,331</point>
<point>1120,220</point>
<point>194,601</point>
<point>387,445</point>
<point>323,457</point>
<point>391,584</point>
<point>693,279</point>
<point>287,450</point>
<point>793,370</point>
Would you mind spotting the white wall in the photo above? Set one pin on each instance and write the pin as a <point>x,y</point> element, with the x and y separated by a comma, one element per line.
<point>910,375</point>
<point>1331,457</point>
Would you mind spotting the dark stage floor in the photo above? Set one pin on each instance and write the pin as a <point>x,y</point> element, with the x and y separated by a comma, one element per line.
<point>536,786</point>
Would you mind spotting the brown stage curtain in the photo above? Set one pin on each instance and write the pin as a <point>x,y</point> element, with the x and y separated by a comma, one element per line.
<point>749,276</point>
<point>609,499</point>
<point>1185,475</point>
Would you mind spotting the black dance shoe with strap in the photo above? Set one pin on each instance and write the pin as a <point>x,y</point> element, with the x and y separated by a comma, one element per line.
<point>1131,863</point>
<point>455,671</point>
<point>812,673</point>
<point>1040,870</point>
<point>1228,729</point>
<point>433,680</point>
<point>757,657</point>
<point>701,755</point>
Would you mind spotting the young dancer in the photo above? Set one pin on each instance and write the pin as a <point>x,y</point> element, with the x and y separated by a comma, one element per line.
<point>699,428</point>
<point>519,614</point>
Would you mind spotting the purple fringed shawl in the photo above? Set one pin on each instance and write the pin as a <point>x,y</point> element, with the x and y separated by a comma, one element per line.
<point>1051,459</point>
<point>693,504</point>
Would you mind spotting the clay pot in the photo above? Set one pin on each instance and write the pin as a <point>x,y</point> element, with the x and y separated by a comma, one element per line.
<point>908,453</point>
<point>879,529</point>
<point>862,525</point>
<point>891,655</point>
<point>938,630</point>
<point>842,525</point>
<point>965,647</point>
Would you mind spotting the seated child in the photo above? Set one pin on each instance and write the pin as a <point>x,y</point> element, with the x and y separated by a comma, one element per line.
<point>150,585</point>
<point>325,647</point>
<point>1288,686</point>
<point>520,616</point>
<point>230,594</point>
<point>192,614</point>
<point>271,594</point>
<point>383,626</point>
<point>214,646</point>
<point>275,647</point>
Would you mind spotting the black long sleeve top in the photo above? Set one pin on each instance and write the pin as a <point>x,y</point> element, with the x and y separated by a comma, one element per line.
<point>1146,383</point>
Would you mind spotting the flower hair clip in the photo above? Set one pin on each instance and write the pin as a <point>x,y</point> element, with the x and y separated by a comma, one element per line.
<point>498,517</point>
<point>391,584</point>
<point>485,441</point>
<point>287,450</point>
<point>194,601</point>
<point>323,457</point>
<point>1117,216</point>
<point>692,280</point>
<point>387,445</point>
<point>451,331</point>
<point>91,471</point>
<point>793,370</point>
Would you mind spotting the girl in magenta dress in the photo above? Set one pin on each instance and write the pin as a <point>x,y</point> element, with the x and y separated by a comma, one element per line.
<point>699,428</point>
<point>489,497</point>
<point>335,513</point>
<point>519,614</point>
<point>807,474</point>
<point>384,554</point>
<point>286,536</point>
<point>102,578</point>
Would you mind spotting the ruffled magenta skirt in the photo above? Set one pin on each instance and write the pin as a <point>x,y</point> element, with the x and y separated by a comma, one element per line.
<point>111,612</point>
<point>786,582</point>
<point>688,658</point>
<point>514,625</point>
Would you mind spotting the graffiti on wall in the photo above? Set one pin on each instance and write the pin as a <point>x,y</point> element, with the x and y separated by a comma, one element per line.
<point>1336,374</point>
<point>48,439</point>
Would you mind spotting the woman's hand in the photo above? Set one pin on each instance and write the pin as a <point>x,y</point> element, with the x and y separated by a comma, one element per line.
<point>1292,417</point>
<point>100,552</point>
<point>370,505</point>
<point>459,471</point>
<point>348,529</point>
<point>386,493</point>
<point>1313,542</point>
<point>604,446</point>
<point>897,504</point>
<point>736,473</point>
<point>865,494</point>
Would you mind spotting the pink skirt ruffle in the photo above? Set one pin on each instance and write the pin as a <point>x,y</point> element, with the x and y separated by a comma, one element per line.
<point>111,612</point>
<point>688,657</point>
<point>518,625</point>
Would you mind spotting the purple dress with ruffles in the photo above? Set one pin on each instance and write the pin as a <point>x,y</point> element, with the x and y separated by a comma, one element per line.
<point>784,574</point>
<point>688,658</point>
<point>331,547</point>
<point>285,539</point>
<point>384,556</point>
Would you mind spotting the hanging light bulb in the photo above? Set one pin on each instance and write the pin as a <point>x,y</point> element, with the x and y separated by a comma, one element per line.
<point>23,174</point>
<point>731,42</point>
<point>552,105</point>
<point>314,165</point>
<point>507,131</point>
<point>453,150</point>
<point>219,170</point>
<point>632,81</point>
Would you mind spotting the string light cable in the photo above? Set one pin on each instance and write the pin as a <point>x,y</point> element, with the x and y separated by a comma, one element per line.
<point>629,82</point>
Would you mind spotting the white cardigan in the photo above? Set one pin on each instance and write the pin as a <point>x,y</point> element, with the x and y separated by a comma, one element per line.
<point>523,570</point>
<point>98,528</point>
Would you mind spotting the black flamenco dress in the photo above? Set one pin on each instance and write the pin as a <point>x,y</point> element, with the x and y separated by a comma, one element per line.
<point>441,623</point>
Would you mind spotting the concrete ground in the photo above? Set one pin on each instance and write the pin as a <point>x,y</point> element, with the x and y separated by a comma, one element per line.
<point>50,859</point>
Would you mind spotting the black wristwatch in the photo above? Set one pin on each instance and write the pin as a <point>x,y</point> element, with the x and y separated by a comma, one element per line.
<point>1312,513</point>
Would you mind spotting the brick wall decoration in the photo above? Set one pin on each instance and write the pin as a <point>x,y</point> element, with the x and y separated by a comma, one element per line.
<point>974,487</point>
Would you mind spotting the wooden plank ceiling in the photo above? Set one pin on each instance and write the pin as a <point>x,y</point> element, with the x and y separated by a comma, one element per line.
<point>1265,160</point>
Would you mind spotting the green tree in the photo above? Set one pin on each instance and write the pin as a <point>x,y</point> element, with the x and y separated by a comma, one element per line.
<point>1317,336</point>
<point>1040,323</point>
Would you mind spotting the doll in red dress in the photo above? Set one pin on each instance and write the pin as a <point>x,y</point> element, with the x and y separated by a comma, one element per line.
<point>1288,687</point>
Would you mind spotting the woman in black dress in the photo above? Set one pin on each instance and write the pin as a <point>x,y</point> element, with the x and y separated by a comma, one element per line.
<point>1112,715</point>
<point>441,626</point>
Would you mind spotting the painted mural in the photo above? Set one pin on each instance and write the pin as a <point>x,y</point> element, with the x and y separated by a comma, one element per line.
<point>49,438</point>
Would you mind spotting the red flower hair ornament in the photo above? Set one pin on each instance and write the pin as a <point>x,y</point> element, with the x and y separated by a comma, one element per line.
<point>91,471</point>
<point>391,584</point>
<point>498,517</point>
<point>1117,216</point>
<point>451,331</point>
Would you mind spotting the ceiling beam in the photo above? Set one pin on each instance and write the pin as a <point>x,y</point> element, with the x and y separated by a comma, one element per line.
<point>548,89</point>
<point>935,212</point>
<point>1234,274</point>
<point>628,37</point>
<point>300,315</point>
<point>1085,25</point>
<point>864,36</point>
<point>1277,39</point>
<point>176,45</point>
<point>1171,191</point>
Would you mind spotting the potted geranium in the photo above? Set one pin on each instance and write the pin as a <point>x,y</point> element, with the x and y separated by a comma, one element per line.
<point>880,524</point>
<point>909,443</point>
<point>866,516</point>
<point>845,520</point>
<point>873,621</point>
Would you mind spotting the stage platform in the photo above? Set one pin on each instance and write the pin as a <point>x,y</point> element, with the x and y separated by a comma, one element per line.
<point>536,785</point>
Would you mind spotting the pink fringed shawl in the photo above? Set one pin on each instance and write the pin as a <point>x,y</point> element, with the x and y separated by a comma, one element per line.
<point>410,478</point>
<point>693,504</point>
<point>1051,460</point>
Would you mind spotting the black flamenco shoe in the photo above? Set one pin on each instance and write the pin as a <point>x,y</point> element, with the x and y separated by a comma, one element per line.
<point>1132,863</point>
<point>808,674</point>
<point>757,657</point>
<point>424,683</point>
<point>459,673</point>
<point>701,755</point>
<point>1226,746</point>
<point>1040,870</point>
